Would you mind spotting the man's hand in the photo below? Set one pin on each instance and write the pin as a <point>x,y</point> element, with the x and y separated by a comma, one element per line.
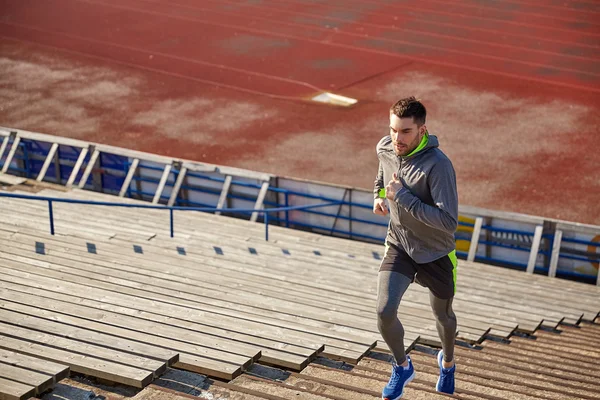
<point>392,188</point>
<point>379,207</point>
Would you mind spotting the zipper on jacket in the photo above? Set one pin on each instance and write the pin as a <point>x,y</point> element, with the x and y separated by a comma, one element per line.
<point>398,210</point>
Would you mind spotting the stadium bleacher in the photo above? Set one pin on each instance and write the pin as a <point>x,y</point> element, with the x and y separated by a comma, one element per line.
<point>112,296</point>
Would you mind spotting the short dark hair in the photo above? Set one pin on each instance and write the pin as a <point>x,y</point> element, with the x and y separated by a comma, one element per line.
<point>410,107</point>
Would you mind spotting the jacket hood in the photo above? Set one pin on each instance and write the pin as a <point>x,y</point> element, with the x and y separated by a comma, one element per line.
<point>385,144</point>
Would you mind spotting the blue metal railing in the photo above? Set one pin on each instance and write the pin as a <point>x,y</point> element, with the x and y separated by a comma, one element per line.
<point>579,241</point>
<point>113,168</point>
<point>286,192</point>
<point>108,162</point>
<point>171,209</point>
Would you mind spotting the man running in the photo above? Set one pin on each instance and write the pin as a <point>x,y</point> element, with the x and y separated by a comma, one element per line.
<point>423,207</point>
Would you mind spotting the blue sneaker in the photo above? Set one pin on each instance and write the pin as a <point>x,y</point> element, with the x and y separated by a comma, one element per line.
<point>445,383</point>
<point>400,377</point>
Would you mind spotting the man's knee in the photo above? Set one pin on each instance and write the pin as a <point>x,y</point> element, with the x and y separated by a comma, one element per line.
<point>443,313</point>
<point>445,319</point>
<point>386,314</point>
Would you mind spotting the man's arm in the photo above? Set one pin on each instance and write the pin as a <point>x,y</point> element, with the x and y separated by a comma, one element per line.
<point>378,182</point>
<point>379,206</point>
<point>442,184</point>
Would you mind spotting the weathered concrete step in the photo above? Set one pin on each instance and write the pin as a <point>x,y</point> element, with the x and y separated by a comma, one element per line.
<point>218,390</point>
<point>178,382</point>
<point>174,384</point>
<point>334,389</point>
<point>544,341</point>
<point>556,372</point>
<point>425,391</point>
<point>428,375</point>
<point>489,375</point>
<point>592,325</point>
<point>374,383</point>
<point>534,353</point>
<point>424,387</point>
<point>278,377</point>
<point>587,330</point>
<point>564,351</point>
<point>536,360</point>
<point>581,332</point>
<point>583,328</point>
<point>574,341</point>
<point>592,339</point>
<point>304,386</point>
<point>580,357</point>
<point>577,342</point>
<point>331,379</point>
<point>280,389</point>
<point>484,388</point>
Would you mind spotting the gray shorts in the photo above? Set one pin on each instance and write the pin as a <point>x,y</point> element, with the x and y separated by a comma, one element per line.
<point>439,275</point>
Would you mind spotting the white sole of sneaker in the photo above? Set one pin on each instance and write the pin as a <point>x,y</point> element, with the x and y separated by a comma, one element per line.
<point>439,360</point>
<point>410,378</point>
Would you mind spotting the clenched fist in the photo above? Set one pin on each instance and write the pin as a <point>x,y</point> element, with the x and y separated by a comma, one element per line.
<point>392,188</point>
<point>379,207</point>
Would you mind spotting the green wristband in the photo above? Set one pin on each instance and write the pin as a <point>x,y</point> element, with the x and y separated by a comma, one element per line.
<point>381,193</point>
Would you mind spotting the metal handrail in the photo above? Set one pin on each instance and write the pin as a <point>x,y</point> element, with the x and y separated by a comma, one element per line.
<point>171,209</point>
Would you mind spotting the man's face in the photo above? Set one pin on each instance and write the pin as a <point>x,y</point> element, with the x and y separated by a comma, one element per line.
<point>405,133</point>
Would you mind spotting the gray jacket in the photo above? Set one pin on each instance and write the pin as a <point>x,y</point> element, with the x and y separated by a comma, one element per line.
<point>424,215</point>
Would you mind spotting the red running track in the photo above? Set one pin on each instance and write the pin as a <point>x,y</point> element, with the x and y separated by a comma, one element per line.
<point>498,78</point>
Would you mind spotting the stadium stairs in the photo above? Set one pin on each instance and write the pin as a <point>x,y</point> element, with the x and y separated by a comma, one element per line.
<point>218,312</point>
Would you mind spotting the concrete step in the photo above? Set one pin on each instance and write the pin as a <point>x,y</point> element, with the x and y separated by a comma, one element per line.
<point>372,382</point>
<point>543,341</point>
<point>570,341</point>
<point>535,360</point>
<point>556,372</point>
<point>563,349</point>
<point>177,383</point>
<point>428,373</point>
<point>280,389</point>
<point>172,385</point>
<point>326,379</point>
<point>584,330</point>
<point>330,389</point>
<point>580,364</point>
<point>487,375</point>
